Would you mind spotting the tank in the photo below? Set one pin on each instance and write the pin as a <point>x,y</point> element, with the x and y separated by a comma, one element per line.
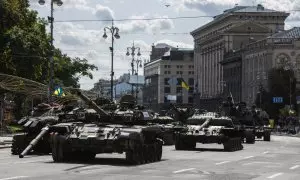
<point>124,130</point>
<point>167,124</point>
<point>206,128</point>
<point>36,136</point>
<point>42,115</point>
<point>250,120</point>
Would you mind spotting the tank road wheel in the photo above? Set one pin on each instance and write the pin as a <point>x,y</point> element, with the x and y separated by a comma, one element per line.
<point>158,150</point>
<point>18,144</point>
<point>58,152</point>
<point>267,136</point>
<point>233,144</point>
<point>135,156</point>
<point>250,137</point>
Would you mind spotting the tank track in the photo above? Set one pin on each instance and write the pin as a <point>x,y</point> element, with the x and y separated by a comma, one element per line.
<point>233,144</point>
<point>250,137</point>
<point>18,144</point>
<point>140,154</point>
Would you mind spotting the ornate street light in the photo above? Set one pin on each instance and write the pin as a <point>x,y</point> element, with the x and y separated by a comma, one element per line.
<point>51,20</point>
<point>114,34</point>
<point>133,48</point>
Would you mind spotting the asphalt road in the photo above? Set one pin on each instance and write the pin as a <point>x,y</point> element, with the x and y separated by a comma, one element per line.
<point>278,159</point>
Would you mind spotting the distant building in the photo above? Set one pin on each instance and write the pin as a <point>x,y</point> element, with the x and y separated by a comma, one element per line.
<point>279,50</point>
<point>163,72</point>
<point>229,31</point>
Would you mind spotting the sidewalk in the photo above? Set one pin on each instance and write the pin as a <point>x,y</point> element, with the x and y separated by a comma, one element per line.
<point>5,142</point>
<point>285,134</point>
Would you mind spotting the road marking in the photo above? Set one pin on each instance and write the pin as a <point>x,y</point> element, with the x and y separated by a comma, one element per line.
<point>179,171</point>
<point>248,157</point>
<point>223,162</point>
<point>15,177</point>
<point>294,167</point>
<point>258,162</point>
<point>275,175</point>
<point>266,152</point>
<point>25,162</point>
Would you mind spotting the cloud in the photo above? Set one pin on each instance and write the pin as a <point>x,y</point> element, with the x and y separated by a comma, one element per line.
<point>149,26</point>
<point>67,4</point>
<point>214,7</point>
<point>76,35</point>
<point>103,12</point>
<point>174,43</point>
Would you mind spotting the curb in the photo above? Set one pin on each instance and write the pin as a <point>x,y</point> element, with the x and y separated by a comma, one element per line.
<point>4,146</point>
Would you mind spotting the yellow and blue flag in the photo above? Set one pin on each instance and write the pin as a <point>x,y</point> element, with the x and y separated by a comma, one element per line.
<point>59,91</point>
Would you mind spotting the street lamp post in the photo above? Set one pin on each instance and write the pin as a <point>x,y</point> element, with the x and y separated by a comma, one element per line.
<point>133,48</point>
<point>260,86</point>
<point>138,64</point>
<point>114,34</point>
<point>51,20</point>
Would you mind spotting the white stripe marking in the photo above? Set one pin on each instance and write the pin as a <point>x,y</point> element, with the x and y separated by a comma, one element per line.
<point>179,171</point>
<point>294,167</point>
<point>275,175</point>
<point>222,162</point>
<point>248,157</point>
<point>16,177</point>
<point>266,152</point>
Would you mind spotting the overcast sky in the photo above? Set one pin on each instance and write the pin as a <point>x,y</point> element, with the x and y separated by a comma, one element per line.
<point>84,39</point>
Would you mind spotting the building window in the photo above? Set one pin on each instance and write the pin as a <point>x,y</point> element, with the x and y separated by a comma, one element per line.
<point>191,100</point>
<point>191,81</point>
<point>166,81</point>
<point>179,72</point>
<point>177,66</point>
<point>166,66</point>
<point>166,99</point>
<point>191,90</point>
<point>167,89</point>
<point>179,99</point>
<point>178,89</point>
<point>166,72</point>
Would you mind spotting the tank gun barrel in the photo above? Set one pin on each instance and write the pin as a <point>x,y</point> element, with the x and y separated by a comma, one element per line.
<point>35,141</point>
<point>91,103</point>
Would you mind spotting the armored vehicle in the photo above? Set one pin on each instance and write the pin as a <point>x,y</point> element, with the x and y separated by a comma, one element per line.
<point>251,121</point>
<point>36,136</point>
<point>207,128</point>
<point>41,115</point>
<point>167,124</point>
<point>122,130</point>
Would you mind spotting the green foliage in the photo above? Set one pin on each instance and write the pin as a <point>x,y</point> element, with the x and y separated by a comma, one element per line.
<point>279,86</point>
<point>25,50</point>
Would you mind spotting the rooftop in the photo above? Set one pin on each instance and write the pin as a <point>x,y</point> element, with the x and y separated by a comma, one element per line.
<point>292,33</point>
<point>239,9</point>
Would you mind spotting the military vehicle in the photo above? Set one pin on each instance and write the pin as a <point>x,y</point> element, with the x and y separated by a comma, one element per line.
<point>122,130</point>
<point>36,135</point>
<point>206,128</point>
<point>167,124</point>
<point>41,115</point>
<point>249,120</point>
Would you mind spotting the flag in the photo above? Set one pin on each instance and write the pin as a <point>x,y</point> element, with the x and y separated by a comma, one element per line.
<point>182,83</point>
<point>59,91</point>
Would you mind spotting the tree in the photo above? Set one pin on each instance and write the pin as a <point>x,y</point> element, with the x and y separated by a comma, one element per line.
<point>25,49</point>
<point>280,83</point>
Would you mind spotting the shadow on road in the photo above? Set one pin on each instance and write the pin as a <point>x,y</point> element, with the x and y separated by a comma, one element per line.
<point>204,149</point>
<point>102,161</point>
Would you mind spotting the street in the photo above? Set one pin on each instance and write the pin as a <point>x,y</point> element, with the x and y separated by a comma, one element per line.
<point>278,159</point>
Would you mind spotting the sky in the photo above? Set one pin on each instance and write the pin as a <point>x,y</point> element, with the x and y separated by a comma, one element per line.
<point>84,39</point>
